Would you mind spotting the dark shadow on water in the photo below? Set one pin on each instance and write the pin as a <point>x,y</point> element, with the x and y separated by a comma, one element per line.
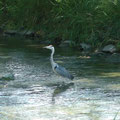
<point>60,89</point>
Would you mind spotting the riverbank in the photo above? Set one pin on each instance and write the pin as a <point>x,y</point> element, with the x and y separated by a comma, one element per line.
<point>40,37</point>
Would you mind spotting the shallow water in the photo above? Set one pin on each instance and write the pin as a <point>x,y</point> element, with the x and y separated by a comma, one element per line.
<point>37,93</point>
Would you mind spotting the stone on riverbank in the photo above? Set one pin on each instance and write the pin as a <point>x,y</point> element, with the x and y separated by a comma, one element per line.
<point>109,48</point>
<point>85,46</point>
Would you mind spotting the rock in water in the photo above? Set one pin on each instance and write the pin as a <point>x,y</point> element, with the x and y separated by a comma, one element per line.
<point>85,46</point>
<point>9,76</point>
<point>109,48</point>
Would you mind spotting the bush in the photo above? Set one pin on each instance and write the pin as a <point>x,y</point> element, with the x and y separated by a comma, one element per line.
<point>92,21</point>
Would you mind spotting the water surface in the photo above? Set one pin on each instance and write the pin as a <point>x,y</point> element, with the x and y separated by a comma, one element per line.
<point>37,93</point>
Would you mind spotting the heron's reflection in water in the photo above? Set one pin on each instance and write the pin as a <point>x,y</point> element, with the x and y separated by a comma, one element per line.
<point>59,89</point>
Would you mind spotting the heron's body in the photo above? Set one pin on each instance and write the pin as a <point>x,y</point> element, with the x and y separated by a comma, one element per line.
<point>57,68</point>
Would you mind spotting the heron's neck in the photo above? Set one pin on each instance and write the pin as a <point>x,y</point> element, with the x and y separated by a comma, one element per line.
<point>51,58</point>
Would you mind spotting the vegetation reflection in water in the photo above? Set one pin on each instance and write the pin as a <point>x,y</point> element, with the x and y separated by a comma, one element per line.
<point>36,93</point>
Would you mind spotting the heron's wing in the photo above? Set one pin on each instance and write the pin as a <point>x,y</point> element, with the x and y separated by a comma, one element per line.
<point>63,72</point>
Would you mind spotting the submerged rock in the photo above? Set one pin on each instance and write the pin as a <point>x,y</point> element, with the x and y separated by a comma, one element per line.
<point>98,54</point>
<point>109,48</point>
<point>114,58</point>
<point>9,76</point>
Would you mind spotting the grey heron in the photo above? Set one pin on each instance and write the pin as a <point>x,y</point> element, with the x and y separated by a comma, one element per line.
<point>57,68</point>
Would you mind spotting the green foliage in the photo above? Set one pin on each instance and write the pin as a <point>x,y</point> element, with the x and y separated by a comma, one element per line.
<point>26,13</point>
<point>91,21</point>
<point>77,19</point>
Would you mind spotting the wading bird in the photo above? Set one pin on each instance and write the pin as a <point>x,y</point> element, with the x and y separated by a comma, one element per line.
<point>57,68</point>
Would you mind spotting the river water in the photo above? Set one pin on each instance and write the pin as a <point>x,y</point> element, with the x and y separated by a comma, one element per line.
<point>36,93</point>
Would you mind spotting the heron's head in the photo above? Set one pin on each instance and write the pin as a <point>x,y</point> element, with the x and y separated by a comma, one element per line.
<point>49,47</point>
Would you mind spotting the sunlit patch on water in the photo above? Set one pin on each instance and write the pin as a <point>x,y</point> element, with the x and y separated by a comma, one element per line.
<point>68,105</point>
<point>113,86</point>
<point>111,74</point>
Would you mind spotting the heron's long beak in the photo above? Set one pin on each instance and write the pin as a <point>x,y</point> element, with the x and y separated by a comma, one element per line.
<point>48,47</point>
<point>45,47</point>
